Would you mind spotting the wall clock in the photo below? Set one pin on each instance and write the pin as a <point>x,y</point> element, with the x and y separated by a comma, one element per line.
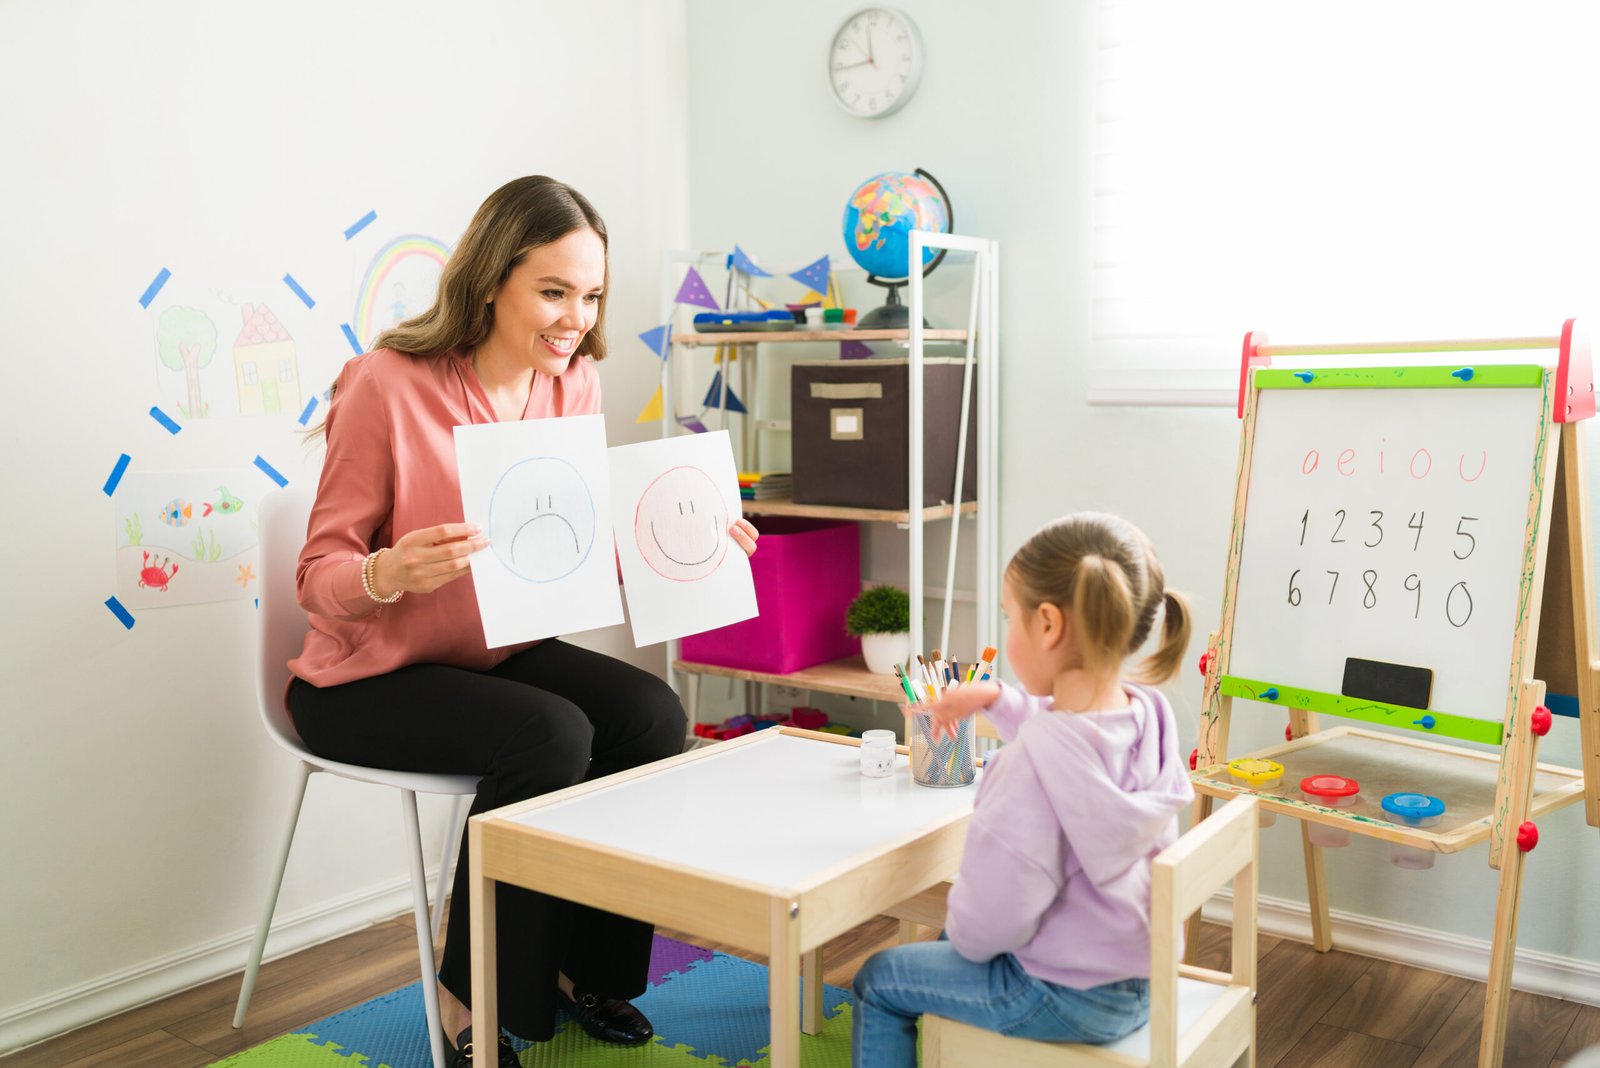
<point>875,61</point>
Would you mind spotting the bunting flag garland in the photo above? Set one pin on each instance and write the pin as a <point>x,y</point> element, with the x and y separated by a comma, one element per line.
<point>854,350</point>
<point>652,411</point>
<point>812,297</point>
<point>691,424</point>
<point>656,339</point>
<point>813,276</point>
<point>694,291</point>
<point>714,396</point>
<point>741,261</point>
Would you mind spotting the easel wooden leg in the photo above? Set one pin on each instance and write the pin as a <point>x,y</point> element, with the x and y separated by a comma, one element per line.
<point>1316,892</point>
<point>1502,955</point>
<point>1191,926</point>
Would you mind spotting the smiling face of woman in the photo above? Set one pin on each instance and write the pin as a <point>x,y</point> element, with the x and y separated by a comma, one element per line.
<point>549,302</point>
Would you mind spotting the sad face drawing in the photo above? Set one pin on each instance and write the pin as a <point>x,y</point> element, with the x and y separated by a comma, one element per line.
<point>681,525</point>
<point>541,519</point>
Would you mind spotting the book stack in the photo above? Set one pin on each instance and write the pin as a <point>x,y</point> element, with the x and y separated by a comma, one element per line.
<point>763,485</point>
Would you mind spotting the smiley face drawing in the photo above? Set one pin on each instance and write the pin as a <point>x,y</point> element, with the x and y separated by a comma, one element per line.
<point>541,519</point>
<point>681,525</point>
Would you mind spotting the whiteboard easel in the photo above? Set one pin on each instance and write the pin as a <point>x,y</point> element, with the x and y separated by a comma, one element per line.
<point>1539,577</point>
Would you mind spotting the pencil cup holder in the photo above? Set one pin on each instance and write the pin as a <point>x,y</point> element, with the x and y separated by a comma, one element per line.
<point>943,762</point>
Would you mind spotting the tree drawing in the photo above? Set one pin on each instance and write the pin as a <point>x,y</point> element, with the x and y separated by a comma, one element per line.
<point>186,338</point>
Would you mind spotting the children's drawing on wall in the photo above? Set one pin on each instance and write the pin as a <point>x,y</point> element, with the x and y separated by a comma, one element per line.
<point>186,537</point>
<point>540,490</point>
<point>228,352</point>
<point>396,278</point>
<point>675,499</point>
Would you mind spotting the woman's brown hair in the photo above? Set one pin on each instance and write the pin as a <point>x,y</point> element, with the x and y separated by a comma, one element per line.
<point>1103,570</point>
<point>520,216</point>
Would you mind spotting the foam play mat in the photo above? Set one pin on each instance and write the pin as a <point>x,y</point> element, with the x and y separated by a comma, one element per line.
<point>709,1009</point>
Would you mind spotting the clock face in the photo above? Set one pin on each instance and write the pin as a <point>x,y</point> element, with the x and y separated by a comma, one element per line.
<point>875,61</point>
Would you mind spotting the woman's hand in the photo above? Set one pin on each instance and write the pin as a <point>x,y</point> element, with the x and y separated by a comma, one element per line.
<point>425,559</point>
<point>745,534</point>
<point>955,705</point>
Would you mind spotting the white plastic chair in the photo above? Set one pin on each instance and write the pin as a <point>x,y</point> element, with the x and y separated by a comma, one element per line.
<point>1198,1017</point>
<point>283,626</point>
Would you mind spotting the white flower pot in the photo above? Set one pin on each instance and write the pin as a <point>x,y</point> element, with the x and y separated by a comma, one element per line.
<point>883,651</point>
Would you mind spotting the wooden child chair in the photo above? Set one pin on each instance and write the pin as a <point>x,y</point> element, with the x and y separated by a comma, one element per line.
<point>1198,1017</point>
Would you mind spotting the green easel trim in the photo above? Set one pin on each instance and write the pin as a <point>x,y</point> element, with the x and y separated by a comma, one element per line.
<point>1491,376</point>
<point>1463,727</point>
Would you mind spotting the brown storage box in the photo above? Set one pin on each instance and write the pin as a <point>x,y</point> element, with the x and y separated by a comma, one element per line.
<point>850,424</point>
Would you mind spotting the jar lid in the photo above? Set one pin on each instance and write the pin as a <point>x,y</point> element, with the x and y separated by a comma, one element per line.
<point>1329,785</point>
<point>1254,770</point>
<point>1413,806</point>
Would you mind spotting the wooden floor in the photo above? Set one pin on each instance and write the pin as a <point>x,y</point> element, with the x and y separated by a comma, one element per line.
<point>1316,1010</point>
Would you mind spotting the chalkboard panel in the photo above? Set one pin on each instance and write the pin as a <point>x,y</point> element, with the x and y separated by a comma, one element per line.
<point>1389,522</point>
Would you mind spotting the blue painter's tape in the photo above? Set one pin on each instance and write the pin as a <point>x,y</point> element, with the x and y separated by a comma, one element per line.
<point>1304,376</point>
<point>1561,705</point>
<point>359,225</point>
<point>120,612</point>
<point>271,472</point>
<point>305,297</point>
<point>116,474</point>
<point>165,420</point>
<point>305,414</point>
<point>1465,374</point>
<point>350,336</point>
<point>154,287</point>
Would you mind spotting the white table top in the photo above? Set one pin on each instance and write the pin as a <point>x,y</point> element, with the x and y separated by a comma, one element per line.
<point>775,811</point>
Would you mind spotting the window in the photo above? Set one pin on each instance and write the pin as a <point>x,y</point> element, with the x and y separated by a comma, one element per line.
<point>250,373</point>
<point>1361,171</point>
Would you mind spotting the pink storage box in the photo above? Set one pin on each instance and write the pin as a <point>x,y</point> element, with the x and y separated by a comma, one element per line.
<point>807,571</point>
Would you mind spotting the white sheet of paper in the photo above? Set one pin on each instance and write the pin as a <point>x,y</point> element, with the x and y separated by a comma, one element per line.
<point>674,500</point>
<point>541,491</point>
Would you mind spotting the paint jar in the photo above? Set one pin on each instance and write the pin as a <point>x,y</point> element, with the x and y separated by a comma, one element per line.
<point>877,754</point>
<point>941,761</point>
<point>1412,810</point>
<point>814,318</point>
<point>1329,791</point>
<point>1261,776</point>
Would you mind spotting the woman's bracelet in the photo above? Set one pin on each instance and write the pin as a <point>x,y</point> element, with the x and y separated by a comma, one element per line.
<point>369,570</point>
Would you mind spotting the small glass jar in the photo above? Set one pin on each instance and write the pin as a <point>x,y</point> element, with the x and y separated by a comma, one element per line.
<point>877,754</point>
<point>1412,810</point>
<point>1261,776</point>
<point>1329,791</point>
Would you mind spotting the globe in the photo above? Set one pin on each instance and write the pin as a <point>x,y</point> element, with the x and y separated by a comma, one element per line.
<point>882,212</point>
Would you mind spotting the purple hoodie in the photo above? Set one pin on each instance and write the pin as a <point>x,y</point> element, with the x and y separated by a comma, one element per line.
<point>1067,818</point>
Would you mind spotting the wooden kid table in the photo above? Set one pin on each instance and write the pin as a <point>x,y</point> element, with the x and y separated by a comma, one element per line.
<point>773,842</point>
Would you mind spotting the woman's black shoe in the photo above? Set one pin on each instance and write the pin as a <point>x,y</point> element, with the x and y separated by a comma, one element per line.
<point>460,1055</point>
<point>608,1019</point>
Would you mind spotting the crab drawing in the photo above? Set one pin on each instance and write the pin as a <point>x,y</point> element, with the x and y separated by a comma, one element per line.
<point>157,577</point>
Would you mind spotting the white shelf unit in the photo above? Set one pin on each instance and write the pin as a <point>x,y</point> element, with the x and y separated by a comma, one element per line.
<point>979,350</point>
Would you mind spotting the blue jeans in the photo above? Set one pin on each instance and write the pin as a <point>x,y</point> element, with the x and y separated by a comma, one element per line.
<point>899,984</point>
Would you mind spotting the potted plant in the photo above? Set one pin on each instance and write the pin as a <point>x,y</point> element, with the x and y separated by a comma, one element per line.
<point>881,617</point>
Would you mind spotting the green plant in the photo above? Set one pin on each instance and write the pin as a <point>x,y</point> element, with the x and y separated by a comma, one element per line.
<point>878,610</point>
<point>134,528</point>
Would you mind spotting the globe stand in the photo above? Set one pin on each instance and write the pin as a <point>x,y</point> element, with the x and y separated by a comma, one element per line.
<point>893,315</point>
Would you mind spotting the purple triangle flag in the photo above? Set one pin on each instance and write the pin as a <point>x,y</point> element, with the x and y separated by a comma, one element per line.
<point>656,340</point>
<point>854,350</point>
<point>694,291</point>
<point>813,276</point>
<point>741,261</point>
<point>689,422</point>
<point>714,396</point>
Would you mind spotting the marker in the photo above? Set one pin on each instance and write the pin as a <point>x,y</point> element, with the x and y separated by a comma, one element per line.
<point>905,683</point>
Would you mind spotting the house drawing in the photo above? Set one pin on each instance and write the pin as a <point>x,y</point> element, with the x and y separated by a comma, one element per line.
<point>264,365</point>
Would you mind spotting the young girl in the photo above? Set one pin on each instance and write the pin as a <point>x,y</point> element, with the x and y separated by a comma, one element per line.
<point>1049,922</point>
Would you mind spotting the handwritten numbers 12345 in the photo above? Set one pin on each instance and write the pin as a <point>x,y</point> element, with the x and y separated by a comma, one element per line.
<point>1372,533</point>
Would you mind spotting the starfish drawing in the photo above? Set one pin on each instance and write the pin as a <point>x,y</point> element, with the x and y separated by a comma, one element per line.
<point>245,576</point>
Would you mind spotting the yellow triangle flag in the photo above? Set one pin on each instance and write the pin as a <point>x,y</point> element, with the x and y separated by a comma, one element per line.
<point>652,411</point>
<point>811,297</point>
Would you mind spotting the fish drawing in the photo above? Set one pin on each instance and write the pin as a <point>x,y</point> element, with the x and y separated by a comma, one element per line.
<point>177,512</point>
<point>225,504</point>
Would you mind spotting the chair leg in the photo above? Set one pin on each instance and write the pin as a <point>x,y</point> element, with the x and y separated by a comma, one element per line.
<point>419,896</point>
<point>452,846</point>
<point>253,965</point>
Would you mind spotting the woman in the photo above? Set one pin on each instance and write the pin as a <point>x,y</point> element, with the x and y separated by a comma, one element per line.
<point>395,672</point>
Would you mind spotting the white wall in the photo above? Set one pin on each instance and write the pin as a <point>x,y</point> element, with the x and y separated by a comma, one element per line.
<point>1002,118</point>
<point>227,143</point>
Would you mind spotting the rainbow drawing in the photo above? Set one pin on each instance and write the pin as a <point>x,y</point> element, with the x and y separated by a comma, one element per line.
<point>409,258</point>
